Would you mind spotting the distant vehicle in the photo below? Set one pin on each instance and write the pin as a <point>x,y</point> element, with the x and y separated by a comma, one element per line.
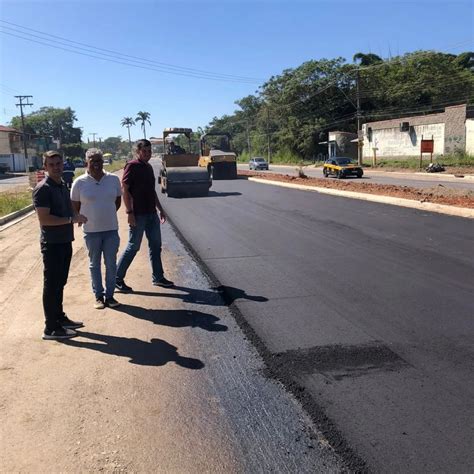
<point>180,173</point>
<point>79,164</point>
<point>4,168</point>
<point>258,163</point>
<point>217,156</point>
<point>342,167</point>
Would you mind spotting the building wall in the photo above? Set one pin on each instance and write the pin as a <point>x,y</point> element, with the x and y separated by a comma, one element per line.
<point>447,128</point>
<point>391,142</point>
<point>343,143</point>
<point>470,136</point>
<point>5,148</point>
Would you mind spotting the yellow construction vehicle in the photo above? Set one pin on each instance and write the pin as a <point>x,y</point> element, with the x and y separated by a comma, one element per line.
<point>217,157</point>
<point>180,174</point>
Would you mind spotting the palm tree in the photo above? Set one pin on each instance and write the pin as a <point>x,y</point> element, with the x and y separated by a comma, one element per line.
<point>128,122</point>
<point>143,117</point>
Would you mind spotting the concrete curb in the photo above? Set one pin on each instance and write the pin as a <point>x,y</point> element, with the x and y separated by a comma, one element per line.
<point>423,206</point>
<point>13,215</point>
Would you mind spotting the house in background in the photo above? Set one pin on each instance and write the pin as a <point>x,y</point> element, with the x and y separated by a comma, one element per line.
<point>12,152</point>
<point>341,144</point>
<point>452,131</point>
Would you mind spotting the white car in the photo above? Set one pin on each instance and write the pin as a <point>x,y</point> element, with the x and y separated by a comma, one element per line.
<point>258,163</point>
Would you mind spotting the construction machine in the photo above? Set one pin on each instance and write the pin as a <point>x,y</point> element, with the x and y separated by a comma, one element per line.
<point>180,174</point>
<point>217,157</point>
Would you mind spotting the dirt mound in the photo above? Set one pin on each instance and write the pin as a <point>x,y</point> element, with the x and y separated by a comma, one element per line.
<point>438,194</point>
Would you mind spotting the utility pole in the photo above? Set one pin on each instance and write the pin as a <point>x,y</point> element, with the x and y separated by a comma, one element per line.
<point>359,116</point>
<point>248,141</point>
<point>93,138</point>
<point>21,105</point>
<point>268,137</point>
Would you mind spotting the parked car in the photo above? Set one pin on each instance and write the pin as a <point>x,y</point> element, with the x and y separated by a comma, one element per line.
<point>342,167</point>
<point>4,168</point>
<point>258,163</point>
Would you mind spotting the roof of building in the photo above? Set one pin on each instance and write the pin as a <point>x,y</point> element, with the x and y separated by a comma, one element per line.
<point>4,128</point>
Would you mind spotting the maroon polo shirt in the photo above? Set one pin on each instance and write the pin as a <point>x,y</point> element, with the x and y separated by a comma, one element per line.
<point>140,179</point>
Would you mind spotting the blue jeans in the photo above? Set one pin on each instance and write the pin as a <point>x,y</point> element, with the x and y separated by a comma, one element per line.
<point>106,243</point>
<point>150,225</point>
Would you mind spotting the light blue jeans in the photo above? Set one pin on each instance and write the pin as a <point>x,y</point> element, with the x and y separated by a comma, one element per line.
<point>150,225</point>
<point>107,244</point>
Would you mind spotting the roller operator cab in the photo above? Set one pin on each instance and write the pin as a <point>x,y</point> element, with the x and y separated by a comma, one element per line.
<point>180,175</point>
<point>217,157</point>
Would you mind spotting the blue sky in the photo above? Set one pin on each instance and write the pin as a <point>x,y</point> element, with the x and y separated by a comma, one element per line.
<point>236,38</point>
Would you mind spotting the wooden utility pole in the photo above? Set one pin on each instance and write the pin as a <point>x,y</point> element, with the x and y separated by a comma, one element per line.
<point>248,141</point>
<point>359,116</point>
<point>21,105</point>
<point>269,146</point>
<point>93,138</point>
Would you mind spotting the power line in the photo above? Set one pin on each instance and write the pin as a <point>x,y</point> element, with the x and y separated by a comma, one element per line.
<point>120,58</point>
<point>168,65</point>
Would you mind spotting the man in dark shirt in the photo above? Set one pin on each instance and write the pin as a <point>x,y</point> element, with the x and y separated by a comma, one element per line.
<point>53,207</point>
<point>141,203</point>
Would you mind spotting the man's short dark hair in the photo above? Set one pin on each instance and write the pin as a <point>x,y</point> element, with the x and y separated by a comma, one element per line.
<point>50,154</point>
<point>142,144</point>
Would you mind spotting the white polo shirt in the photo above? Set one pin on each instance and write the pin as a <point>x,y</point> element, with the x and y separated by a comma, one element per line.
<point>97,200</point>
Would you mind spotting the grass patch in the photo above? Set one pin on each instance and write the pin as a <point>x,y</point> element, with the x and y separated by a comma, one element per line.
<point>14,201</point>
<point>412,162</point>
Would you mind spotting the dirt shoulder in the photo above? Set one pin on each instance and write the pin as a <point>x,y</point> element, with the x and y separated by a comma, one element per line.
<point>437,194</point>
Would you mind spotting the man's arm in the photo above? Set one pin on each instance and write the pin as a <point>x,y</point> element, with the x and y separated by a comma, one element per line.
<point>128,202</point>
<point>118,202</point>
<point>160,209</point>
<point>47,219</point>
<point>76,206</point>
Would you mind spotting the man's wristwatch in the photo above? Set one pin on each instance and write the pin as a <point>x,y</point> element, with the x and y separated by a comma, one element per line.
<point>70,220</point>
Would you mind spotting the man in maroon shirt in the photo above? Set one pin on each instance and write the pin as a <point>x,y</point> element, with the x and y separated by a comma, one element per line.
<point>141,203</point>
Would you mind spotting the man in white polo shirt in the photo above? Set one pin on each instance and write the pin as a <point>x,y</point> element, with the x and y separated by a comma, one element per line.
<point>97,194</point>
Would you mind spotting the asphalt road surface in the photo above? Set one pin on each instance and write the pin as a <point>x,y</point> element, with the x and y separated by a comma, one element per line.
<point>364,311</point>
<point>396,178</point>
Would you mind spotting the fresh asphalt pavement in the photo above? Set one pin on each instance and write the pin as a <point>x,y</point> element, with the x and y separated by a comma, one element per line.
<point>427,180</point>
<point>164,383</point>
<point>363,310</point>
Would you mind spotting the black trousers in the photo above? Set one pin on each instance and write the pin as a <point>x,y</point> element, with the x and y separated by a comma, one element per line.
<point>56,260</point>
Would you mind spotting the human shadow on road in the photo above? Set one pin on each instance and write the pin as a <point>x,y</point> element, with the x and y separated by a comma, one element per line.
<point>154,353</point>
<point>217,296</point>
<point>175,318</point>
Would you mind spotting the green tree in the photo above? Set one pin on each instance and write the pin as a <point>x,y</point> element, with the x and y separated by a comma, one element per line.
<point>51,122</point>
<point>128,122</point>
<point>143,117</point>
<point>112,145</point>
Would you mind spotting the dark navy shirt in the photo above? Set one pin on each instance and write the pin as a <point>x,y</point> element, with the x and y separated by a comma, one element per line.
<point>140,178</point>
<point>54,196</point>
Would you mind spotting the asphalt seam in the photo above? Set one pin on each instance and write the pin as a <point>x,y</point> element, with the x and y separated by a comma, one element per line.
<point>322,422</point>
<point>422,206</point>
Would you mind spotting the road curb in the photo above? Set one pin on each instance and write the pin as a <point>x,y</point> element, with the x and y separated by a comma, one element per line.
<point>423,206</point>
<point>13,215</point>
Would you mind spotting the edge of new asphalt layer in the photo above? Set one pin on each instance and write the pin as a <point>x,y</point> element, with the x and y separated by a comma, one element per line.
<point>275,370</point>
<point>423,206</point>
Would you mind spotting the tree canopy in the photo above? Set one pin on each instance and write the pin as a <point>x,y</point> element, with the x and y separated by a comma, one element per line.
<point>51,122</point>
<point>299,106</point>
